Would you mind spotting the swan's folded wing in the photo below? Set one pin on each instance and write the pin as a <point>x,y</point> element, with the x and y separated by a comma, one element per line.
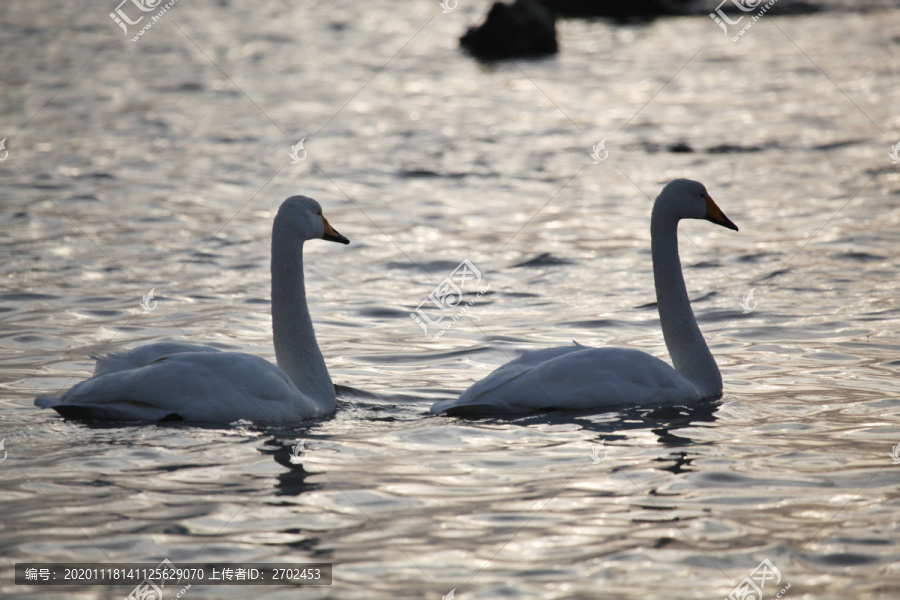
<point>535,357</point>
<point>484,396</point>
<point>143,356</point>
<point>202,387</point>
<point>573,378</point>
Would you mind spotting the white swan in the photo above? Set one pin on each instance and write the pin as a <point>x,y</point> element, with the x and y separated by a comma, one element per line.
<point>581,378</point>
<point>171,381</point>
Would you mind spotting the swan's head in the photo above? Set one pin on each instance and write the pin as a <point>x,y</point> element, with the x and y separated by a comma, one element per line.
<point>302,217</point>
<point>686,199</point>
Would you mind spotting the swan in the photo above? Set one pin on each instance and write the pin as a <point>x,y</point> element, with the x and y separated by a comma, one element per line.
<point>581,378</point>
<point>173,381</point>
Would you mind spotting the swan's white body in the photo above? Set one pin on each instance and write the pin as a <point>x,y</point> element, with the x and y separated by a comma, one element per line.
<point>200,384</point>
<point>581,378</point>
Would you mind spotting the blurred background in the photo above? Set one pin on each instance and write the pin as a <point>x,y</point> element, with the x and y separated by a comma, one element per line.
<point>159,164</point>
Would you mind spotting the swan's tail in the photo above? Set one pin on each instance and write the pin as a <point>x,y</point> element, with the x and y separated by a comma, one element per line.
<point>47,401</point>
<point>122,410</point>
<point>118,411</point>
<point>68,411</point>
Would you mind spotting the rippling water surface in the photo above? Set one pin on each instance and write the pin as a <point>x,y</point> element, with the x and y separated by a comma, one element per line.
<point>160,164</point>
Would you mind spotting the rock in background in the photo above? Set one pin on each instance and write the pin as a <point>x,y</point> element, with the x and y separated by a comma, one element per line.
<point>522,29</point>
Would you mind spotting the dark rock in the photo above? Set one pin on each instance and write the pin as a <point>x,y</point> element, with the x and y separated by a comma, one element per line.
<point>795,8</point>
<point>619,10</point>
<point>783,7</point>
<point>521,29</point>
<point>625,11</point>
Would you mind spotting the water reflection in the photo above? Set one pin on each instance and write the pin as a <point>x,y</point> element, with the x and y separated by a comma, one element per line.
<point>291,482</point>
<point>662,421</point>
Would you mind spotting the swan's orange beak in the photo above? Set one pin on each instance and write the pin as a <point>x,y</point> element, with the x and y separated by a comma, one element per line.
<point>331,233</point>
<point>715,214</point>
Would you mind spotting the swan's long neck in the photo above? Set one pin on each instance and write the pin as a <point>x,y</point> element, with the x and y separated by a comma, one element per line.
<point>690,354</point>
<point>296,350</point>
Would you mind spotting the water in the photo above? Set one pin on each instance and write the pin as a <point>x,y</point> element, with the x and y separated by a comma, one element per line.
<point>159,164</point>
